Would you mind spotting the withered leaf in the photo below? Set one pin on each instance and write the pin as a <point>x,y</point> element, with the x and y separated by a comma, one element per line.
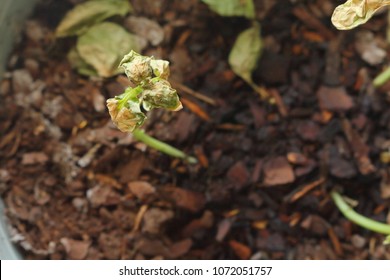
<point>104,45</point>
<point>78,20</point>
<point>231,8</point>
<point>356,12</point>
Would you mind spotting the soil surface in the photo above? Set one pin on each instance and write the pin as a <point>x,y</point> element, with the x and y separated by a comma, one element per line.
<point>77,188</point>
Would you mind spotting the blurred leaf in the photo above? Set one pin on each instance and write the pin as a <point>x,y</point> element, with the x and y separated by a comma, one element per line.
<point>83,16</point>
<point>246,52</point>
<point>104,45</point>
<point>79,64</point>
<point>231,8</point>
<point>387,240</point>
<point>355,12</point>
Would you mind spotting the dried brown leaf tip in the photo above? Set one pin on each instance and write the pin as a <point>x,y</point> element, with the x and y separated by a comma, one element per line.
<point>356,12</point>
<point>123,118</point>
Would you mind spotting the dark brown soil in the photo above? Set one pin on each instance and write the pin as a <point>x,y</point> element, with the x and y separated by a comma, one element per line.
<point>77,188</point>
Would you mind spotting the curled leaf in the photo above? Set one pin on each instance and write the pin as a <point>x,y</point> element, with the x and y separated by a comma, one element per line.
<point>160,68</point>
<point>137,67</point>
<point>103,46</point>
<point>245,53</point>
<point>160,94</point>
<point>229,8</point>
<point>356,12</point>
<point>125,111</point>
<point>78,20</point>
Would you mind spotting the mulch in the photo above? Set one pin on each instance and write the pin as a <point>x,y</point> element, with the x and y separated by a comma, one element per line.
<point>77,188</point>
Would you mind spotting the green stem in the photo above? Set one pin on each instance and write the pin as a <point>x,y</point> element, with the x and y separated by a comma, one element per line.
<point>130,93</point>
<point>382,78</point>
<point>140,135</point>
<point>355,217</point>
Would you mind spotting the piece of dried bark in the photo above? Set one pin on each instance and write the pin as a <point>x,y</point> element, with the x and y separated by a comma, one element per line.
<point>186,199</point>
<point>204,222</point>
<point>75,249</point>
<point>154,219</point>
<point>34,158</point>
<point>359,148</point>
<point>102,196</point>
<point>277,171</point>
<point>308,130</point>
<point>223,229</point>
<point>240,249</point>
<point>334,99</point>
<point>141,189</point>
<point>238,174</point>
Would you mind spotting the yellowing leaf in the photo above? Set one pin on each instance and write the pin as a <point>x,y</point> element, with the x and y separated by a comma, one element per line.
<point>83,16</point>
<point>104,45</point>
<point>356,12</point>
<point>245,53</point>
<point>231,8</point>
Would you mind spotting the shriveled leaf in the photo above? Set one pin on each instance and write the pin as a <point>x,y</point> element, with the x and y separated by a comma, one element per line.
<point>160,94</point>
<point>355,12</point>
<point>83,16</point>
<point>231,8</point>
<point>125,111</point>
<point>104,45</point>
<point>245,53</point>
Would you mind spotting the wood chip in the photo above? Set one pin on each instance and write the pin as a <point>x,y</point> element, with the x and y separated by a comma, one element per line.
<point>277,171</point>
<point>154,218</point>
<point>141,189</point>
<point>186,199</point>
<point>238,174</point>
<point>240,249</point>
<point>75,249</point>
<point>302,191</point>
<point>34,158</point>
<point>360,149</point>
<point>334,99</point>
<point>196,109</point>
<point>223,229</point>
<point>335,242</point>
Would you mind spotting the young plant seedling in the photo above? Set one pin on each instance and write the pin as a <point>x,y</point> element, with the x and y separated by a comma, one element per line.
<point>152,90</point>
<point>358,219</point>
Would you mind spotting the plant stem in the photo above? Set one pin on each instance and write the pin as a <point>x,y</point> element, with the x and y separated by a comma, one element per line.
<point>382,78</point>
<point>130,94</point>
<point>140,135</point>
<point>355,217</point>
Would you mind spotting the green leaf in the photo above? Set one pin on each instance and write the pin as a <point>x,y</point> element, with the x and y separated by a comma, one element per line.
<point>246,52</point>
<point>83,16</point>
<point>387,240</point>
<point>355,12</point>
<point>104,45</point>
<point>232,8</point>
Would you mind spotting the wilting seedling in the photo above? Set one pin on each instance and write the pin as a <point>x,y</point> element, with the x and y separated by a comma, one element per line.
<point>151,90</point>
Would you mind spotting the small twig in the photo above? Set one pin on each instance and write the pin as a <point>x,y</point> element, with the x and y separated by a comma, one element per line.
<point>194,93</point>
<point>297,194</point>
<point>139,217</point>
<point>356,218</point>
